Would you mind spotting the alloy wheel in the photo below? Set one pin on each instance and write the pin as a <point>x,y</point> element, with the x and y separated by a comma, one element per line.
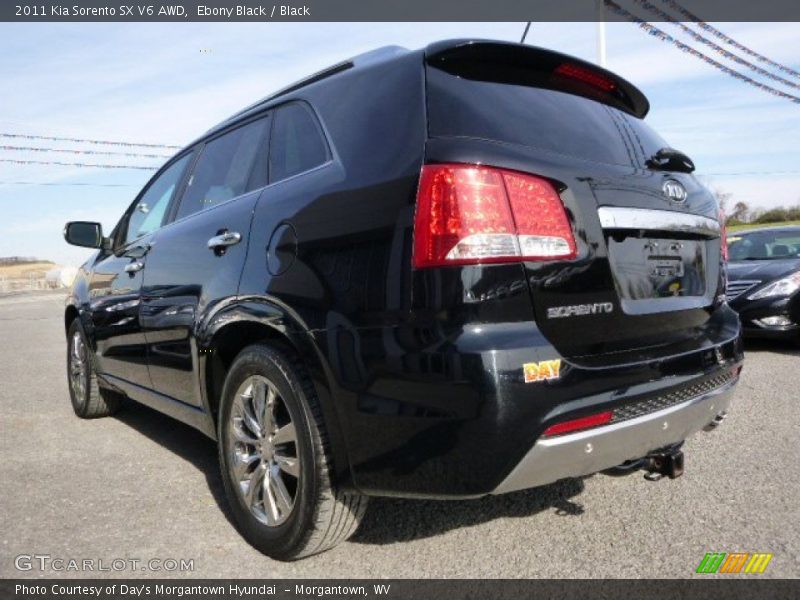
<point>263,451</point>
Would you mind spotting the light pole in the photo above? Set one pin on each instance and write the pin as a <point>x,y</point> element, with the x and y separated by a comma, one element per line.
<point>601,32</point>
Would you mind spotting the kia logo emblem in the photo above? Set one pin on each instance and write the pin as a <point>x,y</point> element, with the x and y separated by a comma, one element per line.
<point>674,190</point>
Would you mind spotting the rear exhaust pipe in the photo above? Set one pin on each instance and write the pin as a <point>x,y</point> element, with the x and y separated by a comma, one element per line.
<point>716,422</point>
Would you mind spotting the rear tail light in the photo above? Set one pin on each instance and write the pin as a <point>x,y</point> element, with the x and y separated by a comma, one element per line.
<point>723,236</point>
<point>579,424</point>
<point>473,215</point>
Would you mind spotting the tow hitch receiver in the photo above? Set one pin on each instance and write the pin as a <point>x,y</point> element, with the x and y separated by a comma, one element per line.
<point>669,463</point>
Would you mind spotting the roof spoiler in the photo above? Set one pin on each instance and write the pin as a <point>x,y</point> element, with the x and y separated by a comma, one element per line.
<point>518,64</point>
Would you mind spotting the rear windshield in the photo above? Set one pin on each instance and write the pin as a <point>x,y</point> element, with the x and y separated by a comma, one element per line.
<point>550,120</point>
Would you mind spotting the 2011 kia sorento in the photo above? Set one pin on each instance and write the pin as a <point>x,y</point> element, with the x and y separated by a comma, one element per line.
<point>464,270</point>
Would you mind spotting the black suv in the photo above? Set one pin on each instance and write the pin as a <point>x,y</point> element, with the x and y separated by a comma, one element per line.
<point>445,273</point>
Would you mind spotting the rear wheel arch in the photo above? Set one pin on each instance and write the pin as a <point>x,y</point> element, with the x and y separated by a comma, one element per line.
<point>226,342</point>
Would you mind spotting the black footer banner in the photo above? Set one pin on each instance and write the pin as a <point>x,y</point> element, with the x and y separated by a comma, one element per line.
<point>395,589</point>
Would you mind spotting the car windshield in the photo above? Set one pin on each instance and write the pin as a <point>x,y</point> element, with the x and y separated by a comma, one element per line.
<point>764,245</point>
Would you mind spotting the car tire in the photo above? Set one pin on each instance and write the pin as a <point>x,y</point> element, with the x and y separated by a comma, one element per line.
<point>89,400</point>
<point>275,459</point>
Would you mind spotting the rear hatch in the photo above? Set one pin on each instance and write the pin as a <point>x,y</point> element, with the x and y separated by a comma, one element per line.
<point>648,269</point>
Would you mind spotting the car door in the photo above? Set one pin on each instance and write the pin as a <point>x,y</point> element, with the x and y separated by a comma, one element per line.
<point>196,260</point>
<point>116,280</point>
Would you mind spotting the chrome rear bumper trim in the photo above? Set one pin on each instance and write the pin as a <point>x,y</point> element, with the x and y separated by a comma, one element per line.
<point>601,448</point>
<point>614,217</point>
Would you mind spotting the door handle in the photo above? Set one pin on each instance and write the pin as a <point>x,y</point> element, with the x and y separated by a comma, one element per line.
<point>133,267</point>
<point>138,251</point>
<point>224,239</point>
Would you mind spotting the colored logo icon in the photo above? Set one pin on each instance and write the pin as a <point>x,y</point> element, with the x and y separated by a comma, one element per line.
<point>734,562</point>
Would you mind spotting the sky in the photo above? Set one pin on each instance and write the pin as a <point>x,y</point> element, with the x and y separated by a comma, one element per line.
<point>167,83</point>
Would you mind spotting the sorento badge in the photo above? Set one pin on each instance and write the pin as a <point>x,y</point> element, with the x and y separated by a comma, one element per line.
<point>579,310</point>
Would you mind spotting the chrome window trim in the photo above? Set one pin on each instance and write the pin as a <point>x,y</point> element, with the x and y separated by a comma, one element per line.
<point>614,217</point>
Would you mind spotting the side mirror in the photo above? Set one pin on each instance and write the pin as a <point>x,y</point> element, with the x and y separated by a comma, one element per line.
<point>84,233</point>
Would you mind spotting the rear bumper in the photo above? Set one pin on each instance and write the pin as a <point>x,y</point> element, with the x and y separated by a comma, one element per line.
<point>450,414</point>
<point>601,448</point>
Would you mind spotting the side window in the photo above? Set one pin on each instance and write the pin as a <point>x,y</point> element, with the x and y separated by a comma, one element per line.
<point>296,143</point>
<point>148,214</point>
<point>227,167</point>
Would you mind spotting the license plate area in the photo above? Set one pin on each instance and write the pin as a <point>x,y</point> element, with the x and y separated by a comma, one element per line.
<point>662,266</point>
<point>653,268</point>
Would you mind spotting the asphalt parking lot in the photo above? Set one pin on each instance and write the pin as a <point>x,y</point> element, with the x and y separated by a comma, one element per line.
<point>141,486</point>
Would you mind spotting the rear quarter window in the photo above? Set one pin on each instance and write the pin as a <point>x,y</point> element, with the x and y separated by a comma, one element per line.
<point>550,120</point>
<point>297,143</point>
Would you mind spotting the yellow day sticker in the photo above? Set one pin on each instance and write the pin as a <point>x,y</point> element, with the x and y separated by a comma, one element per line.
<point>542,371</point>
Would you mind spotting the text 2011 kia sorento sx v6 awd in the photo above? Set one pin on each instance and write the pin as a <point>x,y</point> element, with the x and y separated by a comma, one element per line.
<point>465,270</point>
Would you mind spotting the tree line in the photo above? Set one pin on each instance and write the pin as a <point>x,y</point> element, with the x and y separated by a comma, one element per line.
<point>740,213</point>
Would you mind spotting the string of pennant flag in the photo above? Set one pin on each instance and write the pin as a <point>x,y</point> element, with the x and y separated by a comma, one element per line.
<point>86,141</point>
<point>91,152</point>
<point>715,47</point>
<point>69,183</point>
<point>71,151</point>
<point>719,35</point>
<point>664,37</point>
<point>74,164</point>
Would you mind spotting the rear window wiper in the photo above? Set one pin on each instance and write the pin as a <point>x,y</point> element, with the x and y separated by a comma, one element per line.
<point>669,159</point>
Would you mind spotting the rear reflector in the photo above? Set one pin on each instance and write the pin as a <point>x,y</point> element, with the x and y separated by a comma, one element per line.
<point>473,215</point>
<point>579,424</point>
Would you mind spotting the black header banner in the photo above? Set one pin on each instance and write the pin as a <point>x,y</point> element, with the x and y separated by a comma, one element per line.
<point>394,10</point>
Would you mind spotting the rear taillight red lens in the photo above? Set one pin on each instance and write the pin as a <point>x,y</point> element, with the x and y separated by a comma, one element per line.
<point>723,236</point>
<point>579,424</point>
<point>472,215</point>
